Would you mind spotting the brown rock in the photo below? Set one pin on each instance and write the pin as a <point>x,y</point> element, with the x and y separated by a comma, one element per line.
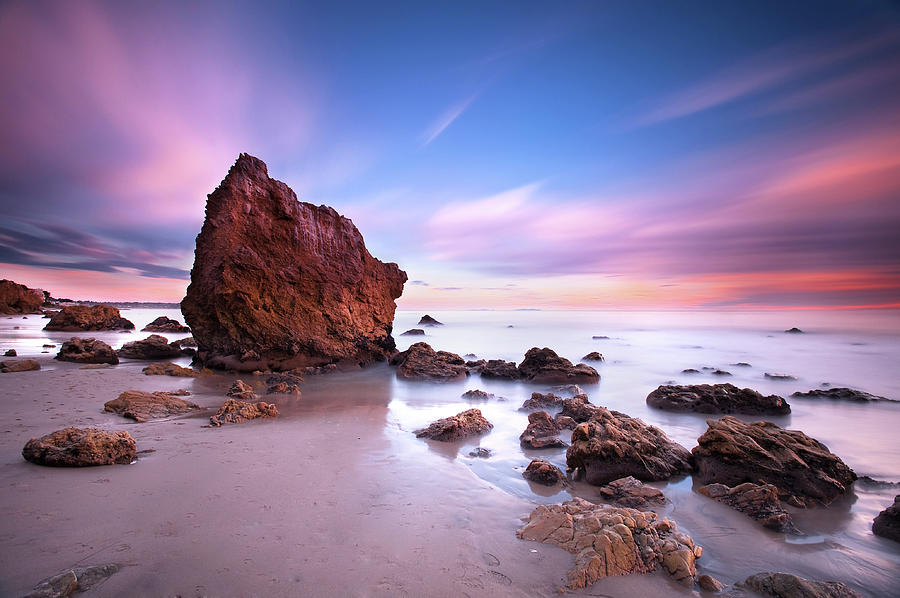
<point>543,472</point>
<point>579,408</point>
<point>87,350</point>
<point>413,332</point>
<point>612,445</point>
<point>710,584</point>
<point>805,472</point>
<point>462,425</point>
<point>19,365</point>
<point>611,541</point>
<point>542,432</point>
<point>784,585</point>
<point>887,523</point>
<point>716,398</point>
<point>427,320</point>
<point>284,383</point>
<point>167,368</point>
<point>545,366</point>
<point>242,391</point>
<point>477,395</point>
<point>75,318</point>
<point>164,324</point>
<point>593,356</point>
<point>759,501</point>
<point>141,406</point>
<point>235,412</point>
<point>305,293</point>
<point>499,369</point>
<point>77,579</point>
<point>542,402</point>
<point>18,299</point>
<point>10,353</point>
<point>629,492</point>
<point>81,447</point>
<point>842,394</point>
<point>421,362</point>
<point>152,347</point>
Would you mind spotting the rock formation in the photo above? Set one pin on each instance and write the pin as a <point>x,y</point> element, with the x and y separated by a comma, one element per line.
<point>716,398</point>
<point>421,362</point>
<point>152,347</point>
<point>805,472</point>
<point>142,406</point>
<point>541,401</point>
<point>242,391</point>
<point>542,432</point>
<point>545,366</point>
<point>73,581</point>
<point>280,284</point>
<point>164,324</point>
<point>579,408</point>
<point>167,368</point>
<point>842,394</point>
<point>499,369</point>
<point>77,318</point>
<point>287,383</point>
<point>427,320</point>
<point>794,330</point>
<point>462,425</point>
<point>477,395</point>
<point>81,447</point>
<point>593,356</point>
<point>541,471</point>
<point>630,492</point>
<point>887,523</point>
<point>785,585</point>
<point>87,350</point>
<point>609,541</point>
<point>234,411</point>
<point>779,376</point>
<point>19,365</point>
<point>413,332</point>
<point>19,299</point>
<point>759,501</point>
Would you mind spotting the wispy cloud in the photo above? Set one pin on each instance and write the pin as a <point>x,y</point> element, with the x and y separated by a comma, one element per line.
<point>446,119</point>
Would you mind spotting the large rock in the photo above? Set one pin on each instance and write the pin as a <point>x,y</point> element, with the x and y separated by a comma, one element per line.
<point>152,347</point>
<point>630,492</point>
<point>759,501</point>
<point>499,369</point>
<point>165,324</point>
<point>142,406</point>
<point>167,368</point>
<point>716,398</point>
<point>462,425</point>
<point>546,367</point>
<point>427,320</point>
<point>19,299</point>
<point>87,350</point>
<point>81,447</point>
<point>785,585</point>
<point>579,408</point>
<point>887,523</point>
<point>543,472</point>
<point>842,394</point>
<point>19,365</point>
<point>542,401</point>
<point>235,411</point>
<point>76,318</point>
<point>282,284</point>
<point>805,472</point>
<point>608,541</point>
<point>421,362</point>
<point>612,445</point>
<point>542,432</point>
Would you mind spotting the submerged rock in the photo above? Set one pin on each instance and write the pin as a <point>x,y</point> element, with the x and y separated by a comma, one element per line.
<point>427,320</point>
<point>164,324</point>
<point>18,299</point>
<point>305,293</point>
<point>630,492</point>
<point>759,501</point>
<point>413,332</point>
<point>152,347</point>
<point>462,425</point>
<point>785,585</point>
<point>806,473</point>
<point>74,580</point>
<point>81,447</point>
<point>167,368</point>
<point>480,452</point>
<point>74,318</point>
<point>142,406</point>
<point>242,391</point>
<point>87,350</point>
<point>542,432</point>
<point>610,541</point>
<point>887,523</point>
<point>794,330</point>
<point>779,376</point>
<point>545,366</point>
<point>841,394</point>
<point>708,583</point>
<point>592,356</point>
<point>421,362</point>
<point>234,411</point>
<point>542,402</point>
<point>716,398</point>
<point>543,472</point>
<point>10,353</point>
<point>19,365</point>
<point>499,369</point>
<point>477,395</point>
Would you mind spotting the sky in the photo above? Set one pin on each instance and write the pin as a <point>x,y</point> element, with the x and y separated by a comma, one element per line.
<point>507,155</point>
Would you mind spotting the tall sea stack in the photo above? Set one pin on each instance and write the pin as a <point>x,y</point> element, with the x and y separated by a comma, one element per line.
<point>279,284</point>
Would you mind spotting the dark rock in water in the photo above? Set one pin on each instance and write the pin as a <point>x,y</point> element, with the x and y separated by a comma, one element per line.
<point>81,447</point>
<point>742,364</point>
<point>242,391</point>
<point>74,318</point>
<point>477,395</point>
<point>427,320</point>
<point>842,394</point>
<point>287,383</point>
<point>545,366</point>
<point>565,422</point>
<point>167,368</point>
<point>87,350</point>
<point>785,585</point>
<point>721,373</point>
<point>18,299</point>
<point>870,481</point>
<point>75,580</point>
<point>806,473</point>
<point>235,411</point>
<point>716,398</point>
<point>19,365</point>
<point>579,408</point>
<point>708,583</point>
<point>188,341</point>
<point>470,356</point>
<point>542,432</point>
<point>10,353</point>
<point>794,330</point>
<point>759,501</point>
<point>612,445</point>
<point>600,337</point>
<point>142,406</point>
<point>690,371</point>
<point>152,347</point>
<point>475,365</point>
<point>497,368</point>
<point>887,523</point>
<point>572,389</point>
<point>593,356</point>
<point>630,492</point>
<point>421,362</point>
<point>779,376</point>
<point>480,453</point>
<point>542,402</point>
<point>543,472</point>
<point>413,332</point>
<point>462,425</point>
<point>304,293</point>
<point>164,324</point>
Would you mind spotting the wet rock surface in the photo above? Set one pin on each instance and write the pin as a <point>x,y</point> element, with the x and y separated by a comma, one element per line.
<point>608,541</point>
<point>631,492</point>
<point>165,324</point>
<point>427,320</point>
<point>842,394</point>
<point>235,411</point>
<point>758,501</point>
<point>74,318</point>
<point>716,398</point>
<point>152,347</point>
<point>74,580</point>
<point>579,408</point>
<point>242,391</point>
<point>167,368</point>
<point>593,356</point>
<point>10,353</point>
<point>413,332</point>
<point>457,427</point>
<point>19,299</point>
<point>784,585</point>
<point>542,401</point>
<point>499,369</point>
<point>477,395</point>
<point>81,447</point>
<point>542,432</point>
<point>87,350</point>
<point>541,471</point>
<point>19,365</point>
<point>708,583</point>
<point>421,362</point>
<point>546,367</point>
<point>887,523</point>
<point>142,406</point>
<point>806,473</point>
<point>284,383</point>
<point>779,376</point>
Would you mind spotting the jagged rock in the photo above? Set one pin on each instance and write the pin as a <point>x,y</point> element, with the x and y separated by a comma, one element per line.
<point>710,584</point>
<point>188,341</point>
<point>497,368</point>
<point>74,318</point>
<point>565,422</point>
<point>81,447</point>
<point>77,579</point>
<point>542,401</point>
<point>592,356</point>
<point>842,394</point>
<point>18,299</point>
<point>413,332</point>
<point>545,366</point>
<point>612,445</point>
<point>427,320</point>
<point>805,472</point>
<point>142,406</point>
<point>152,347</point>
<point>87,350</point>
<point>611,541</point>
<point>572,389</point>
<point>630,492</point>
<point>784,585</point>
<point>421,362</point>
<point>234,411</point>
<point>242,391</point>
<point>462,425</point>
<point>164,324</point>
<point>167,368</point>
<point>19,365</point>
<point>779,376</point>
<point>759,501</point>
<point>794,330</point>
<point>284,383</point>
<point>543,472</point>
<point>477,395</point>
<point>480,453</point>
<point>716,398</point>
<point>305,293</point>
<point>542,432</point>
<point>475,365</point>
<point>887,523</point>
<point>579,408</point>
<point>10,353</point>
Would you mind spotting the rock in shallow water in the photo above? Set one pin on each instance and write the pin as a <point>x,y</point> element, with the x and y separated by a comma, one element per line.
<point>167,368</point>
<point>75,580</point>
<point>165,324</point>
<point>716,398</point>
<point>462,425</point>
<point>842,394</point>
<point>19,365</point>
<point>81,447</point>
<point>427,320</point>
<point>546,367</point>
<point>887,523</point>
<point>499,369</point>
<point>630,492</point>
<point>87,350</point>
<point>73,318</point>
<point>152,347</point>
<point>759,501</point>
<point>142,406</point>
<point>421,362</point>
<point>234,411</point>
<point>541,471</point>
<point>542,432</point>
<point>784,585</point>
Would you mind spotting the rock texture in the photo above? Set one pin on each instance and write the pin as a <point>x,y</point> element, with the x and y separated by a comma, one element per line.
<point>19,365</point>
<point>234,411</point>
<point>462,425</point>
<point>242,391</point>
<point>805,472</point>
<point>779,376</point>
<point>477,395</point>
<point>759,501</point>
<point>75,580</point>
<point>545,366</point>
<point>167,368</point>
<point>87,350</point>
<point>716,398</point>
<point>413,332</point>
<point>784,585</point>
<point>542,401</point>
<point>609,541</point>
<point>142,406</point>
<point>164,324</point>
<point>279,284</point>
<point>543,472</point>
<point>612,445</point>
<point>152,347</point>
<point>887,523</point>
<point>81,447</point>
<point>842,394</point>
<point>499,369</point>
<point>75,318</point>
<point>593,356</point>
<point>630,492</point>
<point>421,362</point>
<point>579,408</point>
<point>18,299</point>
<point>284,383</point>
<point>542,432</point>
<point>427,320</point>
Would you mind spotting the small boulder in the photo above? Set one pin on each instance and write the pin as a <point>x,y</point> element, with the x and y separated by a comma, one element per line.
<point>413,332</point>
<point>794,330</point>
<point>164,324</point>
<point>75,318</point>
<point>593,356</point>
<point>10,353</point>
<point>477,395</point>
<point>480,452</point>
<point>234,411</point>
<point>75,580</point>
<point>718,372</point>
<point>499,369</point>
<point>421,362</point>
<point>887,523</point>
<point>167,368</point>
<point>152,347</point>
<point>142,406</point>
<point>87,350</point>
<point>630,492</point>
<point>542,432</point>
<point>543,472</point>
<point>427,320</point>
<point>716,398</point>
<point>242,391</point>
<point>462,425</point>
<point>542,402</point>
<point>81,447</point>
<point>19,365</point>
<point>779,376</point>
<point>759,501</point>
<point>287,383</point>
<point>841,394</point>
<point>710,584</point>
<point>690,371</point>
<point>545,366</point>
<point>785,585</point>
